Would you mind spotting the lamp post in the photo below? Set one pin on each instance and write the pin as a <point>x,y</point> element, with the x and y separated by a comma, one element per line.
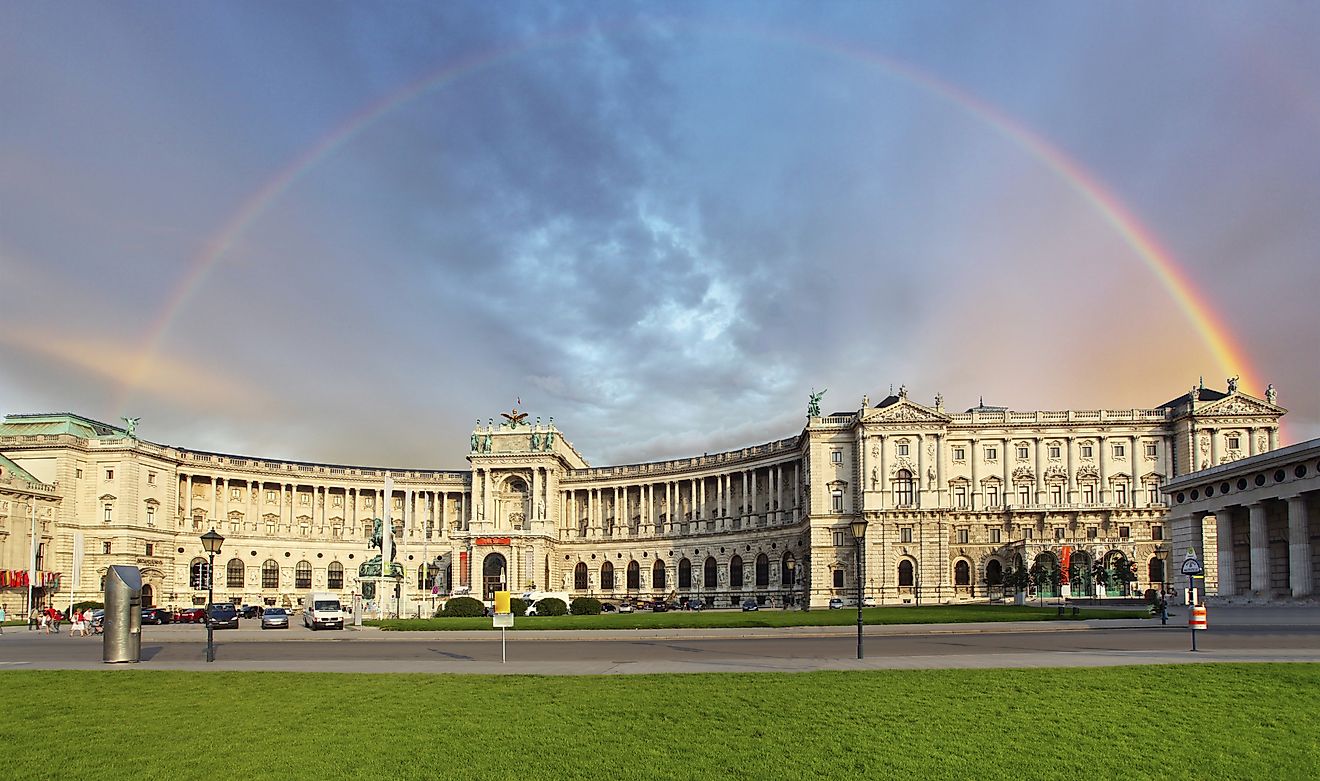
<point>792,581</point>
<point>858,533</point>
<point>211,542</point>
<point>1162,553</point>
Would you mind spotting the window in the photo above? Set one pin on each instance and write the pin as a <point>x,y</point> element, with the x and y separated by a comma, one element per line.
<point>962,573</point>
<point>963,536</point>
<point>1024,495</point>
<point>338,501</point>
<point>270,574</point>
<point>151,549</point>
<point>658,575</point>
<point>304,498</point>
<point>199,574</point>
<point>1124,532</point>
<point>1023,453</point>
<point>995,535</point>
<point>905,534</point>
<point>302,575</point>
<point>762,571</point>
<point>836,501</point>
<point>1092,532</point>
<point>992,496</point>
<point>234,573</point>
<point>151,515</point>
<point>836,456</point>
<point>1054,451</point>
<point>109,474</point>
<point>903,485</point>
<point>1121,494</point>
<point>1088,494</point>
<point>425,573</point>
<point>1120,451</point>
<point>991,454</point>
<point>902,449</point>
<point>960,497</point>
<point>838,578</point>
<point>78,474</point>
<point>235,493</point>
<point>1056,495</point>
<point>959,453</point>
<point>270,496</point>
<point>1233,442</point>
<point>334,576</point>
<point>398,503</point>
<point>1157,532</point>
<point>684,573</point>
<point>839,538</point>
<point>1028,533</point>
<point>151,478</point>
<point>270,528</point>
<point>105,547</point>
<point>1086,451</point>
<point>1059,532</point>
<point>1152,450</point>
<point>905,579</point>
<point>607,577</point>
<point>711,576</point>
<point>736,572</point>
<point>108,509</point>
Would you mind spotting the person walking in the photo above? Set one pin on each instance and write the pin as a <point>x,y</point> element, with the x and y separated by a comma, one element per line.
<point>2,619</point>
<point>44,618</point>
<point>32,619</point>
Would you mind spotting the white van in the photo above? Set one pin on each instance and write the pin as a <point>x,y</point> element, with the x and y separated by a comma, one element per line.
<point>532,597</point>
<point>323,610</point>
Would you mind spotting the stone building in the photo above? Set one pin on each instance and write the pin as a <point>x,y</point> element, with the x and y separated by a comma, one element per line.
<point>953,501</point>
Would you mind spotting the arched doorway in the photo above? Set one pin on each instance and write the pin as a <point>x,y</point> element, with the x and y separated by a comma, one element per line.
<point>494,575</point>
<point>1081,579</point>
<point>148,595</point>
<point>994,573</point>
<point>1045,575</point>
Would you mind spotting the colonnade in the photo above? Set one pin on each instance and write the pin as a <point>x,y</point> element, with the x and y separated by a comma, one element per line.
<point>1239,557</point>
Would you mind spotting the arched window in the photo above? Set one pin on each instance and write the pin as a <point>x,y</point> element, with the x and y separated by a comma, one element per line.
<point>762,571</point>
<point>736,572</point>
<point>903,486</point>
<point>1156,571</point>
<point>302,575</point>
<point>710,575</point>
<point>199,574</point>
<point>270,574</point>
<point>787,566</point>
<point>905,573</point>
<point>234,573</point>
<point>634,576</point>
<point>684,573</point>
<point>580,576</point>
<point>334,576</point>
<point>994,572</point>
<point>658,575</point>
<point>607,576</point>
<point>425,577</point>
<point>962,573</point>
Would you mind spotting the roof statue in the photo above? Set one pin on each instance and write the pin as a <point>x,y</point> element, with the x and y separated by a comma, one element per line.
<point>939,401</point>
<point>1232,384</point>
<point>1270,394</point>
<point>813,405</point>
<point>130,426</point>
<point>902,391</point>
<point>514,418</point>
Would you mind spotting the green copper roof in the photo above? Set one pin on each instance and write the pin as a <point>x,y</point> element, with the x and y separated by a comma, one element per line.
<point>59,423</point>
<point>16,470</point>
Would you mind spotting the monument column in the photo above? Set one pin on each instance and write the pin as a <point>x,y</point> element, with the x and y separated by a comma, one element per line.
<point>1299,548</point>
<point>1260,550</point>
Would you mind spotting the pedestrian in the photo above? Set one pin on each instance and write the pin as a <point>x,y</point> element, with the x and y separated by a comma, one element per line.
<point>2,619</point>
<point>32,619</point>
<point>73,622</point>
<point>55,618</point>
<point>45,622</point>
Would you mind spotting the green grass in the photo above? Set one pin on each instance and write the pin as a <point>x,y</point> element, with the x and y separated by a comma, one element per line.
<point>935,614</point>
<point>1156,722</point>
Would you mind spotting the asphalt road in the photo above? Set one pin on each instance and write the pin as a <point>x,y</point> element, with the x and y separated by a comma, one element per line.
<point>585,652</point>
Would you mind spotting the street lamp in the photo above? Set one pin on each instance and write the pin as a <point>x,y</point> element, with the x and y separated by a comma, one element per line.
<point>792,582</point>
<point>858,533</point>
<point>211,542</point>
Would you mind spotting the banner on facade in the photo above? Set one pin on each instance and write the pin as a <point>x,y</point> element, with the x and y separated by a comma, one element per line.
<point>1066,559</point>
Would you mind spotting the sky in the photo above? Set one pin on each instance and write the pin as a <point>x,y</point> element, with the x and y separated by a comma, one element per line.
<point>345,232</point>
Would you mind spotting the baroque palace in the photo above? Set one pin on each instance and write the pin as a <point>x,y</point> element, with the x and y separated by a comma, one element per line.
<point>953,502</point>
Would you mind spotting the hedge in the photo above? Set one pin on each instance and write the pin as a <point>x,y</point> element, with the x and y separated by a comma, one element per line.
<point>463,607</point>
<point>551,606</point>
<point>585,606</point>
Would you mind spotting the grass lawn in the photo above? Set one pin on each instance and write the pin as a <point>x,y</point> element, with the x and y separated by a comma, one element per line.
<point>935,614</point>
<point>1168,722</point>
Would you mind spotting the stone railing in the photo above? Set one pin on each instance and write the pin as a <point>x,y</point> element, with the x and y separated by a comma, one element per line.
<point>1065,416</point>
<point>781,446</point>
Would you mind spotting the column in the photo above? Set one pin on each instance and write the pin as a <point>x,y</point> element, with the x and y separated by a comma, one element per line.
<point>1260,550</point>
<point>921,471</point>
<point>536,495</point>
<point>1299,548</point>
<point>1071,498</point>
<point>1214,446</point>
<point>746,494</point>
<point>1251,441</point>
<point>1100,459</point>
<point>974,458</point>
<point>215,499</point>
<point>863,459</point>
<point>442,513</point>
<point>779,492</point>
<point>187,497</point>
<point>797,491</point>
<point>884,474</point>
<point>1274,439</point>
<point>1135,482</point>
<point>352,500</point>
<point>1039,445</point>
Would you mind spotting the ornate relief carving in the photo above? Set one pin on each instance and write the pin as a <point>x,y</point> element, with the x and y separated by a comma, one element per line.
<point>1056,473</point>
<point>1024,473</point>
<point>1087,472</point>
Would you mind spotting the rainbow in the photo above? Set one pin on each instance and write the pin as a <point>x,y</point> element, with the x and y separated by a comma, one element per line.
<point>1172,277</point>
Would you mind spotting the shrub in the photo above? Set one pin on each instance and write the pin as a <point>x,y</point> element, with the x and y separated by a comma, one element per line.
<point>551,606</point>
<point>88,606</point>
<point>463,607</point>
<point>518,606</point>
<point>585,606</point>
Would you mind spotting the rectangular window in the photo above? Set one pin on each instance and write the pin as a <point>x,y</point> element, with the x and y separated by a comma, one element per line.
<point>963,536</point>
<point>991,453</point>
<point>78,474</point>
<point>1059,532</point>
<point>151,549</point>
<point>836,456</point>
<point>1120,451</point>
<point>905,534</point>
<point>902,448</point>
<point>838,578</point>
<point>151,478</point>
<point>1234,443</point>
<point>1054,451</point>
<point>338,501</point>
<point>959,453</point>
<point>1056,495</point>
<point>108,508</point>
<point>151,515</point>
<point>304,498</point>
<point>1028,533</point>
<point>960,497</point>
<point>105,547</point>
<point>1157,532</point>
<point>1023,453</point>
<point>1152,450</point>
<point>235,493</point>
<point>838,539</point>
<point>270,496</point>
<point>1120,494</point>
<point>1024,495</point>
<point>836,500</point>
<point>1088,494</point>
<point>270,528</point>
<point>996,535</point>
<point>1124,532</point>
<point>1092,532</point>
<point>1086,451</point>
<point>992,497</point>
<point>109,474</point>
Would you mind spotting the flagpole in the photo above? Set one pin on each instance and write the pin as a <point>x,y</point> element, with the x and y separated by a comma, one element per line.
<point>32,552</point>
<point>387,538</point>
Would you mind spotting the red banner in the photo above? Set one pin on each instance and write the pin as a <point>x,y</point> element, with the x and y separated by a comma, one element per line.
<point>463,569</point>
<point>493,540</point>
<point>1067,561</point>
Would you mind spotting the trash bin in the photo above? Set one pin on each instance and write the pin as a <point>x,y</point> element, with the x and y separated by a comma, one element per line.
<point>122,640</point>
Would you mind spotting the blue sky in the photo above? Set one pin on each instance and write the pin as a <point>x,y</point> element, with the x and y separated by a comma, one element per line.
<point>663,224</point>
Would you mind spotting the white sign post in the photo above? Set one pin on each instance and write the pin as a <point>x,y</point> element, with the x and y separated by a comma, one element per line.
<point>1191,567</point>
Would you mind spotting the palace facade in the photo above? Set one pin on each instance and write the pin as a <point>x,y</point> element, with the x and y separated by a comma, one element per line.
<point>953,502</point>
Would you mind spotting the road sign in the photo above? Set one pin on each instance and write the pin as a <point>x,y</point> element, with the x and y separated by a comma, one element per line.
<point>1192,566</point>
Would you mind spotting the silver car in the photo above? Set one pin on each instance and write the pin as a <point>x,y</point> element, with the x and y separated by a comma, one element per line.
<point>275,618</point>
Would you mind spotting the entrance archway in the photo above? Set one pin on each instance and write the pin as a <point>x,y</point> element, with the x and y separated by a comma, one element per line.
<point>148,596</point>
<point>494,575</point>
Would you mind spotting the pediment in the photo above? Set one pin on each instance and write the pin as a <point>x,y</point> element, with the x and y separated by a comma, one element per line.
<point>904,411</point>
<point>1239,404</point>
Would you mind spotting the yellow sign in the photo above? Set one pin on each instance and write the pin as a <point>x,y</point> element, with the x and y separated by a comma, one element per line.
<point>502,602</point>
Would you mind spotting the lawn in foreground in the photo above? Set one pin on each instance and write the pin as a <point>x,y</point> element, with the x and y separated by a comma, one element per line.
<point>932,614</point>
<point>1165,722</point>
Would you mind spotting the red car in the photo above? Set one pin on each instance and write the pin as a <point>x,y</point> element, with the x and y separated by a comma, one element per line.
<point>190,615</point>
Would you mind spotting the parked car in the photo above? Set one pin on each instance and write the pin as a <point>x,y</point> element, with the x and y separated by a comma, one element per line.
<point>749,605</point>
<point>695,604</point>
<point>156,615</point>
<point>275,618</point>
<point>836,604</point>
<point>223,616</point>
<point>98,621</point>
<point>868,602</point>
<point>190,615</point>
<point>626,607</point>
<point>252,611</point>
<point>659,606</point>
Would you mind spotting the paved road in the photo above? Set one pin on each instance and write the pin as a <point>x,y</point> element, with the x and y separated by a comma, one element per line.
<point>1247,636</point>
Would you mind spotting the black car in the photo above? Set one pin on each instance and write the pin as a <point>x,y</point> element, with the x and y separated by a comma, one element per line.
<point>222,617</point>
<point>156,615</point>
<point>252,611</point>
<point>659,606</point>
